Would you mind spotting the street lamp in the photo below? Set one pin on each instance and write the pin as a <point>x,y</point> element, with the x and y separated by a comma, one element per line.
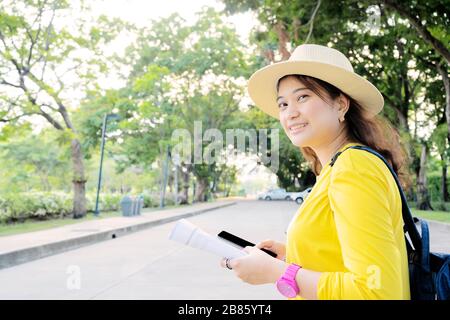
<point>105,120</point>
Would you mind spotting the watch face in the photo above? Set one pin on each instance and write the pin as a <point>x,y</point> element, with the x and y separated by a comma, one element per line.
<point>286,289</point>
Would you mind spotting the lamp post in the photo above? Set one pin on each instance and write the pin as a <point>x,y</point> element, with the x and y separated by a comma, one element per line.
<point>105,120</point>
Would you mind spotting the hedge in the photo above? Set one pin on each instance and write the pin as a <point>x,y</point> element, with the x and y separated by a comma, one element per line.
<point>18,207</point>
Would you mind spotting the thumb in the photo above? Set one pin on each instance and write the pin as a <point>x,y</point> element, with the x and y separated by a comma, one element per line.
<point>265,244</point>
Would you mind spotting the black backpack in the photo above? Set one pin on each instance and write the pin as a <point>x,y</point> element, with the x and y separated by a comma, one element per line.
<point>429,272</point>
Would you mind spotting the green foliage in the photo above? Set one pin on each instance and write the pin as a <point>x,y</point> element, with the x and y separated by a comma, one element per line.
<point>42,51</point>
<point>33,205</point>
<point>434,181</point>
<point>18,207</point>
<point>180,74</point>
<point>394,58</point>
<point>36,162</point>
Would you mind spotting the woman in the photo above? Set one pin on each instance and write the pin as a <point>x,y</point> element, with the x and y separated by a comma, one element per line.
<point>346,240</point>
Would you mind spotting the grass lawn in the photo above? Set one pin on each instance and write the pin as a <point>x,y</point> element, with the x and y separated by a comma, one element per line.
<point>441,216</point>
<point>30,226</point>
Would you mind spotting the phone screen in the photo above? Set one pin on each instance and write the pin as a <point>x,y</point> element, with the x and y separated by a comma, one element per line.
<point>241,242</point>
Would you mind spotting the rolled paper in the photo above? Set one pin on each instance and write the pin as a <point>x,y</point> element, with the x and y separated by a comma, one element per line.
<point>191,235</point>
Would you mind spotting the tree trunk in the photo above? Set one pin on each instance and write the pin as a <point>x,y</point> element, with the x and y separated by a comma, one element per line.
<point>184,198</point>
<point>445,79</point>
<point>165,173</point>
<point>283,39</point>
<point>175,184</point>
<point>79,181</point>
<point>200,191</point>
<point>170,182</point>
<point>402,119</point>
<point>423,198</point>
<point>445,196</point>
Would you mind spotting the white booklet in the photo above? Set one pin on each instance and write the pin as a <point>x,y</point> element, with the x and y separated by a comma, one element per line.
<point>191,235</point>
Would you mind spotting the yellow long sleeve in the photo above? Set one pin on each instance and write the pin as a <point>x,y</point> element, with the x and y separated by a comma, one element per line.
<point>350,228</point>
<point>364,228</point>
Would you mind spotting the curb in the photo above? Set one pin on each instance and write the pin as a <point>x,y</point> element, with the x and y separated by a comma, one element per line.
<point>13,258</point>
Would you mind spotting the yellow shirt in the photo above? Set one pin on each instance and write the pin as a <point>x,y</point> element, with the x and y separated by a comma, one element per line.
<point>350,228</point>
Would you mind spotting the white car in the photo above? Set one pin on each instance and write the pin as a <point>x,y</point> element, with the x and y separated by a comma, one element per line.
<point>299,197</point>
<point>275,194</point>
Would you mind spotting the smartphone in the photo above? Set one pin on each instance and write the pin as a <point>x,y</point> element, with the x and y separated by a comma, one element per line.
<point>241,242</point>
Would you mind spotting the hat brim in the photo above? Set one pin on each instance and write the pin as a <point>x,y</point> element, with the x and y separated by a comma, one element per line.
<point>262,85</point>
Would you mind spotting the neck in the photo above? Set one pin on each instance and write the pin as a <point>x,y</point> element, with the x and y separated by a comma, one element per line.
<point>326,151</point>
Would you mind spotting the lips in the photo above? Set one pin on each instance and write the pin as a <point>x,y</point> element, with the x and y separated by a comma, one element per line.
<point>294,128</point>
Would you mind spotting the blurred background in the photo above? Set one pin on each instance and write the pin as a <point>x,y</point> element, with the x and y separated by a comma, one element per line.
<point>92,91</point>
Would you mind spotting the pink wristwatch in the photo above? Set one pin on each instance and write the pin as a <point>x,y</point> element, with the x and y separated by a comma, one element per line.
<point>286,284</point>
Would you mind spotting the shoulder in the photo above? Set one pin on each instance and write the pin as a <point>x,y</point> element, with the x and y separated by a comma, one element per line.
<point>360,163</point>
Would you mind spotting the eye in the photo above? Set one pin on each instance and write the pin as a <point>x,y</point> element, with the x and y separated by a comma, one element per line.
<point>302,96</point>
<point>282,105</point>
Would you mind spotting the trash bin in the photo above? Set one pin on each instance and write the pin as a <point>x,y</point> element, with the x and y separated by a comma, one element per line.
<point>133,206</point>
<point>138,203</point>
<point>126,205</point>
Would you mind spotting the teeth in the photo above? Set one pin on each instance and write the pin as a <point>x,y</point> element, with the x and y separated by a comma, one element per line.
<point>298,126</point>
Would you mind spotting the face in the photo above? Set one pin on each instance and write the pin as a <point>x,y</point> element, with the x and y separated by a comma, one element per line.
<point>307,120</point>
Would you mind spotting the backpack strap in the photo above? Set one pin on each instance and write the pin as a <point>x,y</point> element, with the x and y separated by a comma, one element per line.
<point>408,220</point>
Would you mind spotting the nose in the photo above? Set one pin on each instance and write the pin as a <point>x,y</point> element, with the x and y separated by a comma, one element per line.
<point>292,111</point>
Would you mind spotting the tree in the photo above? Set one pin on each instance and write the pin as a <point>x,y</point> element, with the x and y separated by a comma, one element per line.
<point>431,20</point>
<point>386,50</point>
<point>37,158</point>
<point>423,198</point>
<point>44,62</point>
<point>181,74</point>
<point>439,140</point>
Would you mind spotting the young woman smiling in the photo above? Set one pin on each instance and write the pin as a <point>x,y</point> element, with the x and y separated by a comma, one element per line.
<point>346,241</point>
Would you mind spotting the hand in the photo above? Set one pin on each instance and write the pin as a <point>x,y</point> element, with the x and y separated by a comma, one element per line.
<point>274,246</point>
<point>257,267</point>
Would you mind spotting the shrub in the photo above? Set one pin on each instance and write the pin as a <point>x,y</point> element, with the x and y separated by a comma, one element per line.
<point>441,205</point>
<point>18,207</point>
<point>106,201</point>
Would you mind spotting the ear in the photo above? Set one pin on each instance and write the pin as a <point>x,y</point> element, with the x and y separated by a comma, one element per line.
<point>343,105</point>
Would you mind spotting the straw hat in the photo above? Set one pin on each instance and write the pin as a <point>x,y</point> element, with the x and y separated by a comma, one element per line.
<point>320,62</point>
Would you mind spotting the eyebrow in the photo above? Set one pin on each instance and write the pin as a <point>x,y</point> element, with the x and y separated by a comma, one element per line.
<point>298,89</point>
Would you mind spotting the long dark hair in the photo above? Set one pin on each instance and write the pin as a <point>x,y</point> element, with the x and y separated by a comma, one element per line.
<point>374,132</point>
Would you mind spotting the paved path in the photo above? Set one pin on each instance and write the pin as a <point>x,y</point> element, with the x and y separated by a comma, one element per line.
<point>21,248</point>
<point>146,265</point>
<point>25,240</point>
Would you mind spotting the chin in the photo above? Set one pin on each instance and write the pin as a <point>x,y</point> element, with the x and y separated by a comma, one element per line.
<point>299,141</point>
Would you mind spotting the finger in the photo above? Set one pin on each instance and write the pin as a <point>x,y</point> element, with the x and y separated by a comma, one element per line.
<point>223,263</point>
<point>264,244</point>
<point>248,249</point>
<point>232,263</point>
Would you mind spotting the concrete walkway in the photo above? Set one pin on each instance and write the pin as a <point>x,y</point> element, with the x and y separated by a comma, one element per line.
<point>21,248</point>
<point>147,265</point>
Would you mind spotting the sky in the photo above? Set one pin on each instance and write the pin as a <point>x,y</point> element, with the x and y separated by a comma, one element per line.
<point>140,12</point>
